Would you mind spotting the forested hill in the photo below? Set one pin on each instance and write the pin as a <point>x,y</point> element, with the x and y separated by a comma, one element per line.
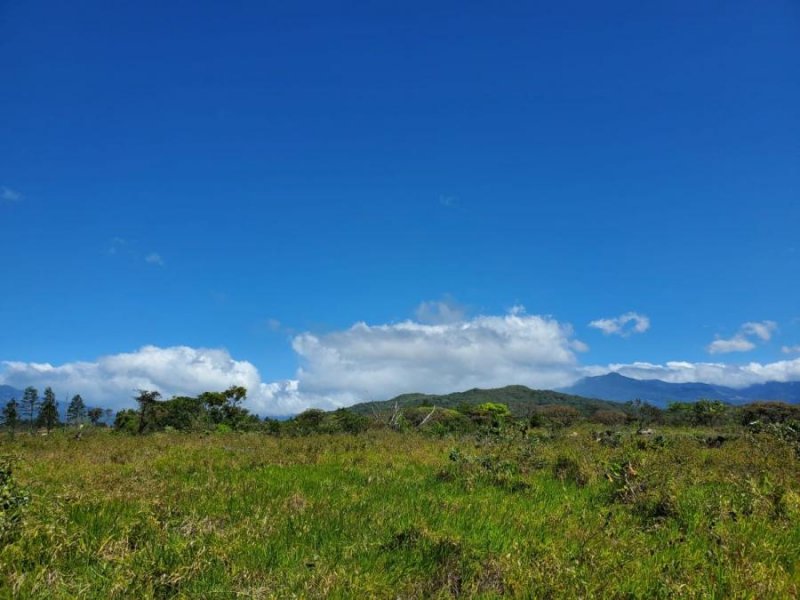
<point>520,400</point>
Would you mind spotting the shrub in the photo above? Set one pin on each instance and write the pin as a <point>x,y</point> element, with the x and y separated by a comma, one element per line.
<point>558,416</point>
<point>127,421</point>
<point>439,421</point>
<point>350,422</point>
<point>769,412</point>
<point>491,414</point>
<point>12,501</point>
<point>567,470</point>
<point>609,417</point>
<point>488,469</point>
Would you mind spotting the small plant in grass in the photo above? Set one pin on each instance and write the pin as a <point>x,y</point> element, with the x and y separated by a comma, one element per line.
<point>567,470</point>
<point>487,469</point>
<point>649,497</point>
<point>12,501</point>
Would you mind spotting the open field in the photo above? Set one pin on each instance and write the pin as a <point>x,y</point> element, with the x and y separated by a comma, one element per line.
<point>388,515</point>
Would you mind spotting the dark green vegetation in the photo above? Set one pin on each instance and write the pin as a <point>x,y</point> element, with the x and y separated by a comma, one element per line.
<point>547,506</point>
<point>520,400</point>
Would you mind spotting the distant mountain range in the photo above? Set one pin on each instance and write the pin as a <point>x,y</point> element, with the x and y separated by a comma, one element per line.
<point>7,393</point>
<point>618,388</point>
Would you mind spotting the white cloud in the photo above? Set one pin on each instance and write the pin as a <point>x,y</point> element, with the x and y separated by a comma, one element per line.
<point>9,195</point>
<point>379,361</point>
<point>762,330</point>
<point>376,362</point>
<point>737,343</point>
<point>713,373</point>
<point>113,380</point>
<point>154,258</point>
<point>790,349</point>
<point>579,346</point>
<point>360,363</point>
<point>440,311</point>
<point>742,341</point>
<point>623,325</point>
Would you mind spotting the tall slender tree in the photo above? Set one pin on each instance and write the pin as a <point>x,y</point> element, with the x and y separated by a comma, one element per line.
<point>30,402</point>
<point>11,416</point>
<point>147,406</point>
<point>48,414</point>
<point>76,411</point>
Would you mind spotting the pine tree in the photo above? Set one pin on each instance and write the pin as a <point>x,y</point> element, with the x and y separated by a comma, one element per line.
<point>48,414</point>
<point>76,412</point>
<point>11,416</point>
<point>30,402</point>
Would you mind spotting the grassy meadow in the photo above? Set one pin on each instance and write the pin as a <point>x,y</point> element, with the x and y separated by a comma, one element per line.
<point>383,514</point>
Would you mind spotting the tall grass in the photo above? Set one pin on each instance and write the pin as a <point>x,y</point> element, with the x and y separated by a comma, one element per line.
<point>391,515</point>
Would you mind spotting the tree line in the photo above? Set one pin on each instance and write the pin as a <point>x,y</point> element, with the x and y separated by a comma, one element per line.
<point>223,412</point>
<point>42,412</point>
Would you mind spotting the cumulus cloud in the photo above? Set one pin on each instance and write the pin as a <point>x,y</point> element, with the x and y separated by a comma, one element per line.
<point>112,380</point>
<point>623,325</point>
<point>9,195</point>
<point>743,340</point>
<point>154,258</point>
<point>376,362</point>
<point>790,349</point>
<point>363,362</point>
<point>706,372</point>
<point>737,343</point>
<point>379,361</point>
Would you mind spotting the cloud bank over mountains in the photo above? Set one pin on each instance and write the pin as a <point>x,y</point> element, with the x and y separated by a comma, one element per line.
<point>446,351</point>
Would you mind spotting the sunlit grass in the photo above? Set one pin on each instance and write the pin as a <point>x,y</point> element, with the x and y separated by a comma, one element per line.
<point>392,515</point>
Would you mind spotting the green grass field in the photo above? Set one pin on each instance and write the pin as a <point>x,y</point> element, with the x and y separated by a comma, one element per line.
<point>391,515</point>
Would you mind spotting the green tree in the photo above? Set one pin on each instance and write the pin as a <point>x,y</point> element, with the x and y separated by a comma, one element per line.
<point>127,420</point>
<point>48,413</point>
<point>11,416</point>
<point>76,411</point>
<point>490,413</point>
<point>308,421</point>
<point>224,407</point>
<point>95,414</point>
<point>30,402</point>
<point>148,402</point>
<point>700,413</point>
<point>350,422</point>
<point>707,412</point>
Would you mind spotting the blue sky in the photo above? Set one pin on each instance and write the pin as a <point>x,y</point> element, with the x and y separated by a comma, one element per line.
<point>237,186</point>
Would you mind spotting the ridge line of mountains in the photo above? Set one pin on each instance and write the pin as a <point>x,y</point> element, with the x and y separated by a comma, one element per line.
<point>597,393</point>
